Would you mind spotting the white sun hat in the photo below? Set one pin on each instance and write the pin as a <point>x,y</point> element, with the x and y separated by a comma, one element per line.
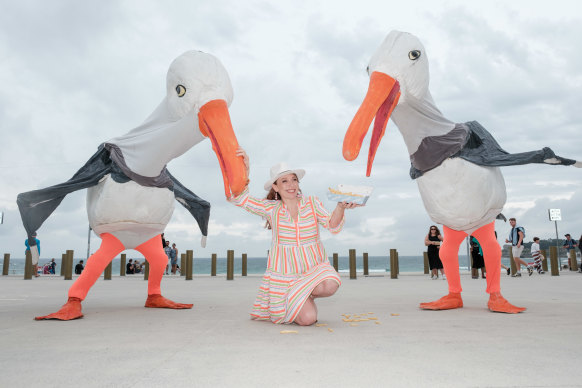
<point>280,169</point>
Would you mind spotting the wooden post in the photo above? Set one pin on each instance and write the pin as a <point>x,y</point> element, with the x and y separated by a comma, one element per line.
<point>544,262</point>
<point>512,262</point>
<point>28,266</point>
<point>244,264</point>
<point>426,266</point>
<point>182,264</point>
<point>63,263</point>
<point>353,274</point>
<point>123,264</point>
<point>108,270</point>
<point>146,271</point>
<point>365,263</point>
<point>230,264</point>
<point>393,265</point>
<point>335,262</point>
<point>213,265</point>
<point>573,260</point>
<point>189,264</point>
<point>6,265</point>
<point>69,265</point>
<point>554,261</point>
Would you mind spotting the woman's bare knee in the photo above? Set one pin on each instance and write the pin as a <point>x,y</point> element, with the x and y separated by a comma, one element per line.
<point>325,288</point>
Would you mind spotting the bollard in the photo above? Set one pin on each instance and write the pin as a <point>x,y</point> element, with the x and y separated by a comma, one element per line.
<point>353,274</point>
<point>573,260</point>
<point>123,264</point>
<point>146,270</point>
<point>393,269</point>
<point>230,264</point>
<point>213,265</point>
<point>6,265</point>
<point>108,270</point>
<point>28,266</point>
<point>189,264</point>
<point>545,261</point>
<point>335,262</point>
<point>554,261</point>
<point>365,263</point>
<point>244,264</point>
<point>63,262</point>
<point>69,265</point>
<point>512,262</point>
<point>183,264</point>
<point>426,266</point>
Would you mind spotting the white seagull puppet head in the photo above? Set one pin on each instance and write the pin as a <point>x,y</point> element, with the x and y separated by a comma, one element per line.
<point>195,107</point>
<point>399,88</point>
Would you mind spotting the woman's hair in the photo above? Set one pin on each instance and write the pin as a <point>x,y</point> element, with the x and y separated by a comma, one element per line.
<point>437,230</point>
<point>273,196</point>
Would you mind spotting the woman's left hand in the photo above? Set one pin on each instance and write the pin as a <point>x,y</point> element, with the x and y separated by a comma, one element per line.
<point>348,205</point>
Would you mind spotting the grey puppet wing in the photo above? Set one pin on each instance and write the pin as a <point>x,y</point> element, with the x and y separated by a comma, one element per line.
<point>482,149</point>
<point>199,208</point>
<point>36,206</point>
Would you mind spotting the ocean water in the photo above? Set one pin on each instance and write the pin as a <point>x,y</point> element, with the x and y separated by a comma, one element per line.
<point>258,265</point>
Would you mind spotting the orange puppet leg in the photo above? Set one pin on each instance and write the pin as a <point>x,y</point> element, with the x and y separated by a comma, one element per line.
<point>157,258</point>
<point>449,255</point>
<point>492,255</point>
<point>110,247</point>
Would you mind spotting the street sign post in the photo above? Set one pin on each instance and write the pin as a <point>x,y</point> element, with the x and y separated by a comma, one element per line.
<point>556,215</point>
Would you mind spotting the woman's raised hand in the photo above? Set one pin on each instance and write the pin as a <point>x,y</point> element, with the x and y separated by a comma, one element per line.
<point>241,152</point>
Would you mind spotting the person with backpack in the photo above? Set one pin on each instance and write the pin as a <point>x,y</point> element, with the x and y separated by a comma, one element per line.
<point>516,237</point>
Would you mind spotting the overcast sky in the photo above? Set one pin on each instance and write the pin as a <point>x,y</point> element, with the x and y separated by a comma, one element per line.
<point>75,74</point>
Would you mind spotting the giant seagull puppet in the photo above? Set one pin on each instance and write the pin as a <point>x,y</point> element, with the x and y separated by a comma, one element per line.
<point>456,166</point>
<point>131,194</point>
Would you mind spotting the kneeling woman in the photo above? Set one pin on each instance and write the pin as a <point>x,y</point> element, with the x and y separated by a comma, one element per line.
<point>298,270</point>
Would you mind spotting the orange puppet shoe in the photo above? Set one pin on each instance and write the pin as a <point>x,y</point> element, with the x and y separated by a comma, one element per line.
<point>499,304</point>
<point>158,301</point>
<point>70,310</point>
<point>451,301</point>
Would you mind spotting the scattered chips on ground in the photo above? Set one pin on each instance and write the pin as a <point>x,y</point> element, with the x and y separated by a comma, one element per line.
<point>320,324</point>
<point>289,331</point>
<point>330,329</point>
<point>394,314</point>
<point>378,323</point>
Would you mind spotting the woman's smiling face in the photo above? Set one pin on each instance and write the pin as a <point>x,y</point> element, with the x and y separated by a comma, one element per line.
<point>287,186</point>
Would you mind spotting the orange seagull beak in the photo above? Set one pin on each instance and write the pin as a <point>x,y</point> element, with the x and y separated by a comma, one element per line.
<point>382,97</point>
<point>214,123</point>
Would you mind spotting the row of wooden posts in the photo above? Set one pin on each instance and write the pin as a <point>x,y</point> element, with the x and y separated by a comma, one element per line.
<point>186,265</point>
<point>187,268</point>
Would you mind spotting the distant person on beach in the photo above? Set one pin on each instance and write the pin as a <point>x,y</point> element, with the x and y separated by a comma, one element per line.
<point>174,258</point>
<point>477,256</point>
<point>168,251</point>
<point>79,267</point>
<point>537,255</point>
<point>298,269</point>
<point>129,269</point>
<point>137,267</point>
<point>580,247</point>
<point>433,242</point>
<point>34,257</point>
<point>163,241</point>
<point>53,266</point>
<point>516,236</point>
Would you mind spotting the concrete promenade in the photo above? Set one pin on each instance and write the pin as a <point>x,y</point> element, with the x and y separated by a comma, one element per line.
<point>119,343</point>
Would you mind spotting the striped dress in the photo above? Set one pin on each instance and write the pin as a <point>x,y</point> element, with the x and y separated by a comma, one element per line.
<point>297,261</point>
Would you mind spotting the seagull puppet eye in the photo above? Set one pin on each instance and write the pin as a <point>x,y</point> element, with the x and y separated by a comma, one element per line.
<point>414,55</point>
<point>181,90</point>
<point>368,70</point>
